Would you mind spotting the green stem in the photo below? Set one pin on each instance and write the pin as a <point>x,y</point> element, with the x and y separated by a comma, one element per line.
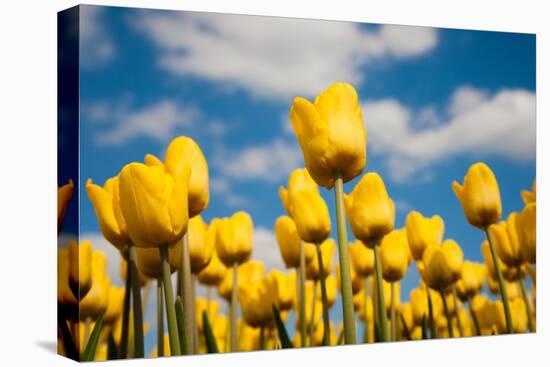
<point>365,309</point>
<point>474,317</point>
<point>392,312</point>
<point>312,318</point>
<point>173,333</point>
<point>530,322</point>
<point>194,313</point>
<point>123,347</point>
<point>457,314</point>
<point>503,293</point>
<point>136,298</point>
<point>187,289</point>
<point>447,314</point>
<point>382,317</point>
<point>324,298</point>
<point>86,331</point>
<point>343,257</point>
<point>302,295</point>
<point>233,318</point>
<point>160,320</point>
<point>433,329</point>
<point>262,338</point>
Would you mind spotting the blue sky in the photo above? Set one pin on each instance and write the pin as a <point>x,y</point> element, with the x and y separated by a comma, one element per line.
<point>434,102</point>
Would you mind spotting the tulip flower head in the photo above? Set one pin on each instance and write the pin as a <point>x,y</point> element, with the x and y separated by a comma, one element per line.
<point>421,231</point>
<point>149,262</point>
<point>64,195</point>
<point>115,306</point>
<point>530,196</point>
<point>479,196</point>
<point>106,202</point>
<point>370,210</point>
<point>299,180</point>
<point>64,294</point>
<point>394,254</point>
<point>234,238</point>
<point>289,241</point>
<point>441,264</point>
<point>214,272</point>
<point>201,247</point>
<point>528,232</point>
<point>328,249</point>
<point>211,307</point>
<point>80,267</point>
<point>257,300</point>
<point>505,236</point>
<point>362,259</point>
<point>285,289</point>
<point>249,272</point>
<point>471,280</point>
<point>96,301</point>
<point>310,213</point>
<point>154,204</point>
<point>331,133</point>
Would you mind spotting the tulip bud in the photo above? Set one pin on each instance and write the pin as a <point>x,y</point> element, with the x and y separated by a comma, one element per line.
<point>394,252</point>
<point>528,232</point>
<point>331,133</point>
<point>505,238</point>
<point>370,211</point>
<point>479,196</point>
<point>530,196</point>
<point>215,271</point>
<point>249,337</point>
<point>362,259</point>
<point>106,202</point>
<point>328,249</point>
<point>441,265</point>
<point>310,213</point>
<point>200,250</point>
<point>64,195</point>
<point>184,151</point>
<point>299,180</point>
<point>249,272</point>
<point>289,241</point>
<point>471,280</point>
<point>257,300</point>
<point>421,231</point>
<point>154,204</point>
<point>115,306</point>
<point>80,268</point>
<point>285,288</point>
<point>96,300</point>
<point>149,262</point>
<point>518,313</point>
<point>234,239</point>
<point>64,294</point>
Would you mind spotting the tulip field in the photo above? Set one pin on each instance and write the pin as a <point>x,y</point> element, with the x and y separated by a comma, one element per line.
<point>152,212</point>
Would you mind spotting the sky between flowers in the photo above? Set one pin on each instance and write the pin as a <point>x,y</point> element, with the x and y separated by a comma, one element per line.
<point>434,101</point>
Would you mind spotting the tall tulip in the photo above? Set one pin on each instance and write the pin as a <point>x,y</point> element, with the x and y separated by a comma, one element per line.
<point>421,231</point>
<point>480,199</point>
<point>289,241</point>
<point>310,213</point>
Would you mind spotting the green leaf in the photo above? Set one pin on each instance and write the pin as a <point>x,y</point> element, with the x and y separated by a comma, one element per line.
<point>377,335</point>
<point>112,350</point>
<point>181,328</point>
<point>91,346</point>
<point>340,338</point>
<point>211,345</point>
<point>283,335</point>
<point>424,328</point>
<point>405,328</point>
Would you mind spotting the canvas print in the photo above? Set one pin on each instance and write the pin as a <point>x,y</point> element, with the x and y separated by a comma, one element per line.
<point>232,183</point>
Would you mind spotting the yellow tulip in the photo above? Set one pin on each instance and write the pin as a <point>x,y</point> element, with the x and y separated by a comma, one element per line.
<point>211,307</point>
<point>471,280</point>
<point>149,262</point>
<point>370,306</point>
<point>200,249</point>
<point>184,151</point>
<point>486,313</point>
<point>394,252</point>
<point>328,249</point>
<point>97,299</point>
<point>214,272</point>
<point>441,265</point>
<point>331,133</point>
<point>234,238</point>
<point>257,300</point>
<point>101,352</point>
<point>421,231</point>
<point>106,202</point>
<point>299,180</point>
<point>310,213</point>
<point>319,332</point>
<point>332,290</point>
<point>362,259</point>
<point>154,204</point>
<point>405,310</point>
<point>519,316</point>
<point>64,195</point>
<point>115,306</point>
<point>289,241</point>
<point>370,210</point>
<point>64,294</point>
<point>285,288</point>
<point>479,196</point>
<point>249,272</point>
<point>505,236</point>
<point>249,337</point>
<point>528,232</point>
<point>80,267</point>
<point>143,280</point>
<point>530,196</point>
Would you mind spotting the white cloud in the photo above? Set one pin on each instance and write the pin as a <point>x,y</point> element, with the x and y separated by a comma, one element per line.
<point>96,47</point>
<point>269,162</point>
<point>220,186</point>
<point>159,121</point>
<point>266,249</point>
<point>273,57</point>
<point>502,124</point>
